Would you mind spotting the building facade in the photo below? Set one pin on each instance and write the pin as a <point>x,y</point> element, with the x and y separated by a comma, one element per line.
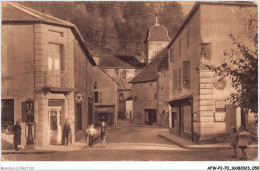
<point>122,69</point>
<point>150,86</point>
<point>106,105</point>
<point>45,59</point>
<point>200,110</point>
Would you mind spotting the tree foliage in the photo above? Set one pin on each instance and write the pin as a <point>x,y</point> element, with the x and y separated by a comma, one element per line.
<point>242,68</point>
<point>113,27</point>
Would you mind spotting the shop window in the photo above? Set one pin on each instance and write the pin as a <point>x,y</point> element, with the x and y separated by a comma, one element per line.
<point>7,114</point>
<point>186,74</point>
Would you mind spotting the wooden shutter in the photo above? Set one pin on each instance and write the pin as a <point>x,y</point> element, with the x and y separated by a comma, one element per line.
<point>174,79</point>
<point>24,115</point>
<point>186,74</point>
<point>179,79</point>
<point>100,97</point>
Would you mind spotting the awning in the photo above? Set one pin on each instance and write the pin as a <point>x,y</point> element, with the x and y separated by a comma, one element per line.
<point>104,109</point>
<point>184,100</point>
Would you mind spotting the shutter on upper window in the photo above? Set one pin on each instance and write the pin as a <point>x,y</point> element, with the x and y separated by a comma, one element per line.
<point>186,74</point>
<point>100,97</point>
<point>175,79</point>
<point>179,79</point>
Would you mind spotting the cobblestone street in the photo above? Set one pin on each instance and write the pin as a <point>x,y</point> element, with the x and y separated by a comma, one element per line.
<point>134,143</point>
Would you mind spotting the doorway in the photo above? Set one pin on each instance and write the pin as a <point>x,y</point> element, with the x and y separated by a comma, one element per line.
<point>185,126</point>
<point>54,122</point>
<point>150,116</point>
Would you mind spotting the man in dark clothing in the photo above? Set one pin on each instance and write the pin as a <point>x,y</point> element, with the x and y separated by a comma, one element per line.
<point>66,131</point>
<point>17,134</point>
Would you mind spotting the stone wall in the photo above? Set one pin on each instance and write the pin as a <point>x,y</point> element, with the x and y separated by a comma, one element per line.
<point>145,94</point>
<point>17,68</point>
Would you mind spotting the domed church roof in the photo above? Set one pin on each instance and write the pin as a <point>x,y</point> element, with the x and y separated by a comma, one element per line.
<point>157,33</point>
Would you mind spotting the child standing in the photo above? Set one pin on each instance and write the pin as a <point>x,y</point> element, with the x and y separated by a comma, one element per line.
<point>242,142</point>
<point>104,133</point>
<point>234,140</point>
<point>92,131</point>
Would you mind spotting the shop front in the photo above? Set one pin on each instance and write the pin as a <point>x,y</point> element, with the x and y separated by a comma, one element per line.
<point>182,117</point>
<point>106,113</point>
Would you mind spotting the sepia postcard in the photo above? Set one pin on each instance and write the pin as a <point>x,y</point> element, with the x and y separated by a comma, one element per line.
<point>128,81</point>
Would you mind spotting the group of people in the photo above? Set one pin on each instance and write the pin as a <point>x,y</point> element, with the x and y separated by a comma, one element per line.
<point>239,140</point>
<point>91,131</point>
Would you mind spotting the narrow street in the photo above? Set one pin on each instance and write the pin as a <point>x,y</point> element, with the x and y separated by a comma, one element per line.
<point>134,143</point>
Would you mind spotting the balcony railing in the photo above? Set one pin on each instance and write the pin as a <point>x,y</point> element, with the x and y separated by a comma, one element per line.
<point>59,79</point>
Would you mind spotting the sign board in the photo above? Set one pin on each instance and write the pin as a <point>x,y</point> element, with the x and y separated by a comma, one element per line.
<point>220,104</point>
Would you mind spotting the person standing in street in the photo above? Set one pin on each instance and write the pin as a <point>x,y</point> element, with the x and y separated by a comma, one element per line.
<point>234,140</point>
<point>104,133</point>
<point>66,131</point>
<point>242,142</point>
<point>92,131</point>
<point>17,135</point>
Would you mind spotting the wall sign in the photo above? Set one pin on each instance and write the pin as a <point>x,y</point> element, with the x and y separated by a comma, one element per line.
<point>79,97</point>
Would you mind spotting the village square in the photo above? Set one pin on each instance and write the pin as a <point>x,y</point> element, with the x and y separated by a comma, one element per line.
<point>129,81</point>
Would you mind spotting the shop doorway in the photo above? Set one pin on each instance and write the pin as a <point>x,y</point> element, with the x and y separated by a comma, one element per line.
<point>54,122</point>
<point>185,126</point>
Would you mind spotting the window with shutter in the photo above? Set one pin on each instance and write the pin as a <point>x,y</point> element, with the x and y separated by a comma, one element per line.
<point>100,97</point>
<point>179,79</point>
<point>175,79</point>
<point>186,74</point>
<point>96,96</point>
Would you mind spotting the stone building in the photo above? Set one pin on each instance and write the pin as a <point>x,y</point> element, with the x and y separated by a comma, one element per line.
<point>122,69</point>
<point>106,105</point>
<point>150,86</point>
<point>45,59</point>
<point>200,111</point>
